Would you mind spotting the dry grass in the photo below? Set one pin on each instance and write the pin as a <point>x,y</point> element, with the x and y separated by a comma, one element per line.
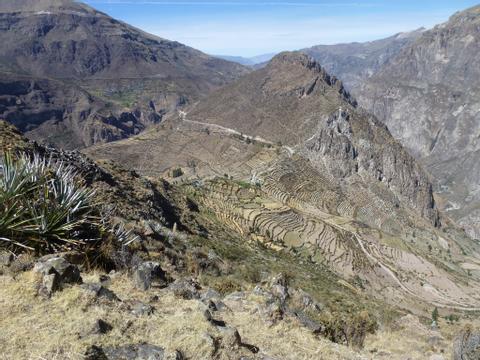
<point>35,328</point>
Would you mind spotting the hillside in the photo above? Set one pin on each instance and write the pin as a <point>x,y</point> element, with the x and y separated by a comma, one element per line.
<point>427,95</point>
<point>216,282</point>
<point>132,78</point>
<point>312,178</point>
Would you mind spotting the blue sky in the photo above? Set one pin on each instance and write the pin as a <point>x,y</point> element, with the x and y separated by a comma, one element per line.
<point>248,27</point>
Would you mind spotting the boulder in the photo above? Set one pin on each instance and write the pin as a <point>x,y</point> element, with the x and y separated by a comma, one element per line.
<point>56,271</point>
<point>467,345</point>
<point>147,274</point>
<point>185,288</point>
<point>99,291</point>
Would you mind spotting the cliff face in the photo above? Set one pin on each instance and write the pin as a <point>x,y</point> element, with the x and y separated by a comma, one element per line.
<point>428,97</point>
<point>353,144</point>
<point>103,69</point>
<point>356,62</point>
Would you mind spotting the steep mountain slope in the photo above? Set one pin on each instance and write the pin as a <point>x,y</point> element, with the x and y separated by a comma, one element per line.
<point>122,68</point>
<point>428,96</point>
<point>284,157</point>
<point>293,101</point>
<point>353,63</point>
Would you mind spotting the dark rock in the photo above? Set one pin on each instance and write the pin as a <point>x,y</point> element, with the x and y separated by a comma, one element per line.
<point>208,316</point>
<point>56,272</point>
<point>467,345</point>
<point>141,308</point>
<point>101,327</point>
<point>186,289</point>
<point>95,353</point>
<point>148,273</point>
<point>100,291</point>
<point>135,352</point>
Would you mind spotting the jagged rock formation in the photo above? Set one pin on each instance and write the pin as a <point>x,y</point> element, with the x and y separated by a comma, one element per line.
<point>353,63</point>
<point>427,95</point>
<point>132,78</point>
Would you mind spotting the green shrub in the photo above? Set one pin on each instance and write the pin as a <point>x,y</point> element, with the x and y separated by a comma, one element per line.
<point>45,208</point>
<point>177,172</point>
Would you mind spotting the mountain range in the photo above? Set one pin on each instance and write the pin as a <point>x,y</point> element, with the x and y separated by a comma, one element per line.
<point>119,78</point>
<point>333,189</point>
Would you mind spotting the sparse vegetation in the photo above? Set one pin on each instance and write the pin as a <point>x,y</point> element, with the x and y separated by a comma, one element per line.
<point>435,315</point>
<point>177,172</point>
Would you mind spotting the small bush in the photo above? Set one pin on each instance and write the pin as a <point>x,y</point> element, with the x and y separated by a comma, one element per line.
<point>177,172</point>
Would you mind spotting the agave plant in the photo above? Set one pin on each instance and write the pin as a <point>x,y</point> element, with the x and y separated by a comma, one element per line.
<point>42,205</point>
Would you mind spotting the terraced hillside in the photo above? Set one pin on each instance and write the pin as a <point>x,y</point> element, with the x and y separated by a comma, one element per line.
<point>411,270</point>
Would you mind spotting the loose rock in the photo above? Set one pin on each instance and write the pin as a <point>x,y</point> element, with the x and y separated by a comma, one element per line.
<point>186,289</point>
<point>56,272</point>
<point>147,274</point>
<point>100,291</point>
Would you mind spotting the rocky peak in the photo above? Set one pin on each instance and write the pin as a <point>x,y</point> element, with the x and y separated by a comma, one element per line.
<point>304,67</point>
<point>296,58</point>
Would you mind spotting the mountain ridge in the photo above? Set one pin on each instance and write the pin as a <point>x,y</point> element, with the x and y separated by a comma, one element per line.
<point>123,68</point>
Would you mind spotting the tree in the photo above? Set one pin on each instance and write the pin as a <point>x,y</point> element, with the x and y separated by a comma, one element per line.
<point>435,315</point>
